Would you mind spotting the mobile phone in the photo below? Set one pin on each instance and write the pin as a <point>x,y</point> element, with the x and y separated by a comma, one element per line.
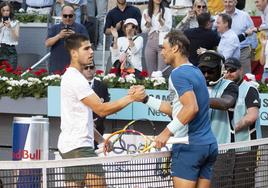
<point>5,18</point>
<point>67,27</point>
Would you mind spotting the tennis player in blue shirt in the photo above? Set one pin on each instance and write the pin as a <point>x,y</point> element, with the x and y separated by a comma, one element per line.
<point>191,165</point>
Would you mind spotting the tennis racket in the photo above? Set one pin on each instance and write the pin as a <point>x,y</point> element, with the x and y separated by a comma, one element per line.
<point>146,143</point>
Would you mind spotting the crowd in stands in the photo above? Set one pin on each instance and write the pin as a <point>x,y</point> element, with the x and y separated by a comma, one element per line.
<point>230,31</point>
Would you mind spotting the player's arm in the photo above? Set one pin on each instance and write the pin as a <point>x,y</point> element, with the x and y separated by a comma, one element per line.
<point>189,107</point>
<point>158,104</point>
<point>107,108</point>
<point>185,115</point>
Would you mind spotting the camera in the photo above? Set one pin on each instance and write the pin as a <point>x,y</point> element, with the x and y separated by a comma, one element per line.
<point>67,27</point>
<point>5,18</point>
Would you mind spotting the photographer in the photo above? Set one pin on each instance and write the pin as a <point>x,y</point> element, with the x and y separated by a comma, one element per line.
<point>9,34</point>
<point>59,57</point>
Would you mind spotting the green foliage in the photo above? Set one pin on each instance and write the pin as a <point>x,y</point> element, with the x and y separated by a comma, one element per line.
<point>263,88</point>
<point>29,18</point>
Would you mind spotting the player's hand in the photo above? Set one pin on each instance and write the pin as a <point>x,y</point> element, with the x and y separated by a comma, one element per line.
<point>137,93</point>
<point>108,147</point>
<point>162,138</point>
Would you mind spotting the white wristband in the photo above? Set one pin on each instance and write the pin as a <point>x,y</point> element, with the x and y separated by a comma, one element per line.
<point>174,125</point>
<point>154,103</point>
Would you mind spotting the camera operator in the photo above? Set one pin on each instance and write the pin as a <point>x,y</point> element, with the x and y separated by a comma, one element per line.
<point>9,34</point>
<point>59,57</point>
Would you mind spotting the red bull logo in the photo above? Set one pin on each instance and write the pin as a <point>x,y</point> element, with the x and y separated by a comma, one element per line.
<point>25,154</point>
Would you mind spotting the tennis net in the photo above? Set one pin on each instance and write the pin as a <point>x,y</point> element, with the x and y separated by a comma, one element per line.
<point>243,164</point>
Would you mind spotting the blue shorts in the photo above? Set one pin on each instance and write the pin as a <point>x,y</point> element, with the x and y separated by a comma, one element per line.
<point>193,161</point>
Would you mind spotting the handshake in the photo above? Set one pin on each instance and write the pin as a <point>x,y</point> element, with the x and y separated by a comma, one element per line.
<point>137,93</point>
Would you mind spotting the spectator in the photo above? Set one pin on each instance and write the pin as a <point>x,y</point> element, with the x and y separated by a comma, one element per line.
<point>241,21</point>
<point>202,36</point>
<point>80,8</point>
<point>9,34</point>
<point>156,21</point>
<point>262,5</point>
<point>16,4</point>
<point>116,17</point>
<point>264,56</point>
<point>59,58</point>
<point>128,49</point>
<point>190,20</point>
<point>229,45</point>
<point>40,6</point>
<point>98,8</point>
<point>223,95</point>
<point>101,90</point>
<point>243,120</point>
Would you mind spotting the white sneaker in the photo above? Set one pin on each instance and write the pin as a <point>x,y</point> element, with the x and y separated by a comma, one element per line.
<point>99,47</point>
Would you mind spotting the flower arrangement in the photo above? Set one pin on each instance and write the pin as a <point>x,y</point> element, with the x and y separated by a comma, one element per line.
<point>255,80</point>
<point>156,81</point>
<point>32,84</point>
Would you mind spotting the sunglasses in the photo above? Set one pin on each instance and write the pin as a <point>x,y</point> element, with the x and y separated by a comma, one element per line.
<point>201,6</point>
<point>68,15</point>
<point>230,69</point>
<point>89,67</point>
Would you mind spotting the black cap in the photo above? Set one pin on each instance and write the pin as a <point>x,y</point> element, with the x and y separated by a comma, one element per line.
<point>210,59</point>
<point>232,62</point>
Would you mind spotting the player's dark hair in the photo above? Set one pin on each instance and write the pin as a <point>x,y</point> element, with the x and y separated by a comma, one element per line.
<point>74,41</point>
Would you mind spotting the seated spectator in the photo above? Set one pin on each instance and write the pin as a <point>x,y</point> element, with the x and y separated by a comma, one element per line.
<point>190,20</point>
<point>40,6</point>
<point>156,21</point>
<point>229,45</point>
<point>202,36</point>
<point>59,57</point>
<point>9,34</point>
<point>127,50</point>
<point>80,8</point>
<point>116,17</point>
<point>264,56</point>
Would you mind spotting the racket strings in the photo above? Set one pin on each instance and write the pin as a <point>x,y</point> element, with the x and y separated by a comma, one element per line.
<point>147,145</point>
